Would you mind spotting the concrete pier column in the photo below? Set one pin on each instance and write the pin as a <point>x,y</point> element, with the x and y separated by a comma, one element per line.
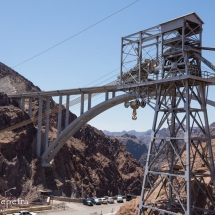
<point>67,111</point>
<point>30,107</point>
<point>106,96</point>
<point>47,123</point>
<point>59,115</point>
<point>82,104</point>
<point>89,101</point>
<point>39,128</point>
<point>22,104</point>
<point>113,94</point>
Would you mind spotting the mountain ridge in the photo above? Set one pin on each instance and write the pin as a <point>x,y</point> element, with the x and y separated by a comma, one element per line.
<point>132,132</point>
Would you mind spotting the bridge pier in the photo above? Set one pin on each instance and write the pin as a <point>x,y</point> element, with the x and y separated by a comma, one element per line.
<point>82,104</point>
<point>59,115</point>
<point>23,104</point>
<point>30,107</point>
<point>89,101</point>
<point>47,123</point>
<point>39,127</point>
<point>113,94</point>
<point>106,95</point>
<point>67,111</point>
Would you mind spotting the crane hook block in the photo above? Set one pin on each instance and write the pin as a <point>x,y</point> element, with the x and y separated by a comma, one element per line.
<point>134,114</point>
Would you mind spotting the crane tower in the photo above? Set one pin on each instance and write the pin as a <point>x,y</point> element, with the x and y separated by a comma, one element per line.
<point>165,67</point>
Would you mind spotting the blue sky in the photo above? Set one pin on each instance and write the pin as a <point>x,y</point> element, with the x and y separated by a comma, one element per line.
<point>30,27</point>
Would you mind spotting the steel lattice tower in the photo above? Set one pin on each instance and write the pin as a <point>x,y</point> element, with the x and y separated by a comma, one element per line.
<point>163,65</point>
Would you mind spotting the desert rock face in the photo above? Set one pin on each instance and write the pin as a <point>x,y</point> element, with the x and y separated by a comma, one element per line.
<point>103,164</point>
<point>110,155</point>
<point>15,147</point>
<point>129,208</point>
<point>12,82</point>
<point>135,146</point>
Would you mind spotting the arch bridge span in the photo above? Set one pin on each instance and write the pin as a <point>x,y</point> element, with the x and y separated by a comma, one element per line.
<point>47,151</point>
<point>74,126</point>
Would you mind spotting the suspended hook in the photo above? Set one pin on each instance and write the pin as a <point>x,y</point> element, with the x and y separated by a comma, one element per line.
<point>134,114</point>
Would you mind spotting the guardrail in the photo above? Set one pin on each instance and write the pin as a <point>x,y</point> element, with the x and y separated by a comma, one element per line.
<point>66,199</point>
<point>168,75</point>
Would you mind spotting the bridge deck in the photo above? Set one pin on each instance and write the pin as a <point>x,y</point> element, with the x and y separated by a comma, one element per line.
<point>113,88</point>
<point>76,91</point>
<point>208,81</point>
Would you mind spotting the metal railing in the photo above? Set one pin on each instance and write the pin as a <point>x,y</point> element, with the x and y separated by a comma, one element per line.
<point>133,79</point>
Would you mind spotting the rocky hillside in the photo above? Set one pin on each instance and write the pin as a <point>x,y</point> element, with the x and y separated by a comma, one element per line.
<point>138,145</point>
<point>131,132</point>
<point>103,164</point>
<point>12,82</point>
<point>134,145</point>
<point>129,208</point>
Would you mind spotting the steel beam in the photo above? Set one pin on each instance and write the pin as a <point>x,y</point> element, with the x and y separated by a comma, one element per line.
<point>187,142</point>
<point>171,149</point>
<point>202,90</point>
<point>140,57</point>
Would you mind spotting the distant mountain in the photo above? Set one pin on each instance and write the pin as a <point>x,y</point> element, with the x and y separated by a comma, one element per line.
<point>132,132</point>
<point>134,145</point>
<point>137,142</point>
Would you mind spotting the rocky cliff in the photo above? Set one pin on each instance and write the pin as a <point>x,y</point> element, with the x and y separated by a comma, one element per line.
<point>135,146</point>
<point>103,164</point>
<point>138,145</point>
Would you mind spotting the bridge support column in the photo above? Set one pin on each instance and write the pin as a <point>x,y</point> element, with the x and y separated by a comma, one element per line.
<point>39,127</point>
<point>30,107</point>
<point>82,104</point>
<point>89,101</point>
<point>113,94</point>
<point>23,104</point>
<point>67,111</point>
<point>47,123</point>
<point>59,115</point>
<point>106,96</point>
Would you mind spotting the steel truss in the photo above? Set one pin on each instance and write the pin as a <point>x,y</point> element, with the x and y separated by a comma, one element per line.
<point>167,72</point>
<point>179,172</point>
